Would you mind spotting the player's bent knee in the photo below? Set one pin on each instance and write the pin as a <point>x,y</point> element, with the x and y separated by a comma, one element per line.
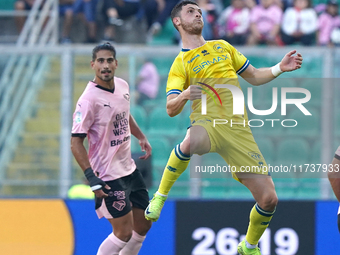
<point>123,234</point>
<point>199,145</point>
<point>185,146</point>
<point>269,202</point>
<point>145,229</point>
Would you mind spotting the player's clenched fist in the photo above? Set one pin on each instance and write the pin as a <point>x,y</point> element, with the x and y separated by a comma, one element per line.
<point>193,92</point>
<point>96,184</point>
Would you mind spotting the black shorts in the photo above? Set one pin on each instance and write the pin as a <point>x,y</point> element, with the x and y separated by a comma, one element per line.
<point>125,192</point>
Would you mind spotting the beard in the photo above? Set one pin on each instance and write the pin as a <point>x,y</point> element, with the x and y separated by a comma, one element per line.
<point>194,28</point>
<point>105,78</point>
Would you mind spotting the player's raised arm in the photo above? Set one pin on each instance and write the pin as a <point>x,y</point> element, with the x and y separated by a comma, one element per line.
<point>259,76</point>
<point>143,141</point>
<point>176,102</point>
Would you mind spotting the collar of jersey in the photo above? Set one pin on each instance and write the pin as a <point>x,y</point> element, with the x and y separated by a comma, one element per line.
<point>109,90</point>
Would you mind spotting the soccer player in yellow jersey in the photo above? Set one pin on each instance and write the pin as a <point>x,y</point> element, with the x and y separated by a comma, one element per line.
<point>203,65</point>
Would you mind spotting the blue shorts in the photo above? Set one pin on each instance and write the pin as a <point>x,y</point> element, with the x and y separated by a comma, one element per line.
<point>63,8</point>
<point>88,8</point>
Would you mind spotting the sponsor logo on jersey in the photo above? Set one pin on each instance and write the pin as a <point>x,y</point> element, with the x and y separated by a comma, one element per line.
<point>207,63</point>
<point>219,48</point>
<point>119,141</point>
<point>193,58</point>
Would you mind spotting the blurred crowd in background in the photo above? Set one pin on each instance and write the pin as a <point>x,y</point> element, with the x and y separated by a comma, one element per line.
<point>240,22</point>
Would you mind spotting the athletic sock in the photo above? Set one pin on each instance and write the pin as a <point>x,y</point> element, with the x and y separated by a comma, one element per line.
<point>176,165</point>
<point>111,245</point>
<point>259,221</point>
<point>133,245</point>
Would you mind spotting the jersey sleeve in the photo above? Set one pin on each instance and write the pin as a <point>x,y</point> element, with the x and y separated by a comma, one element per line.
<point>176,78</point>
<point>240,62</point>
<point>83,118</point>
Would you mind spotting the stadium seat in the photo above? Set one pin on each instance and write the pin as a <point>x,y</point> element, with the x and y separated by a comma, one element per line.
<point>309,189</point>
<point>166,35</point>
<point>312,67</point>
<point>291,152</point>
<point>316,152</point>
<point>314,86</point>
<point>267,149</point>
<point>212,159</point>
<point>238,191</point>
<point>160,151</point>
<point>316,156</point>
<point>308,125</point>
<point>151,104</point>
<point>215,192</point>
<point>271,124</point>
<point>259,62</point>
<point>163,65</point>
<point>177,140</point>
<point>135,147</point>
<point>179,191</point>
<point>261,97</point>
<point>283,81</point>
<point>286,188</point>
<point>7,5</point>
<point>140,116</point>
<point>161,124</point>
<point>185,117</point>
<point>337,123</point>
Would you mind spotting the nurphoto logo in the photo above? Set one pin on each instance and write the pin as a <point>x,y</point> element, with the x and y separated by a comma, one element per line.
<point>238,104</point>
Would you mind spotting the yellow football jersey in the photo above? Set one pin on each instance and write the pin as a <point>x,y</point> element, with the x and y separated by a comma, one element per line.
<point>216,62</point>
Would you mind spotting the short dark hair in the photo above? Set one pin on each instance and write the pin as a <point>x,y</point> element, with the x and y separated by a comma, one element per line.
<point>177,9</point>
<point>105,46</point>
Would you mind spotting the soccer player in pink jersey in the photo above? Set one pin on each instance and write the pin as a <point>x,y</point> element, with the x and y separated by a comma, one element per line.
<point>334,178</point>
<point>103,116</point>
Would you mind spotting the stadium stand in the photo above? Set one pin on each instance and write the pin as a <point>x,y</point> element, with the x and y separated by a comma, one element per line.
<point>7,5</point>
<point>267,148</point>
<point>308,125</point>
<point>140,116</point>
<point>161,124</point>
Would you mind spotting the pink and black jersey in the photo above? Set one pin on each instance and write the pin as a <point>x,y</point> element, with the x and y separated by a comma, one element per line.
<point>103,116</point>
